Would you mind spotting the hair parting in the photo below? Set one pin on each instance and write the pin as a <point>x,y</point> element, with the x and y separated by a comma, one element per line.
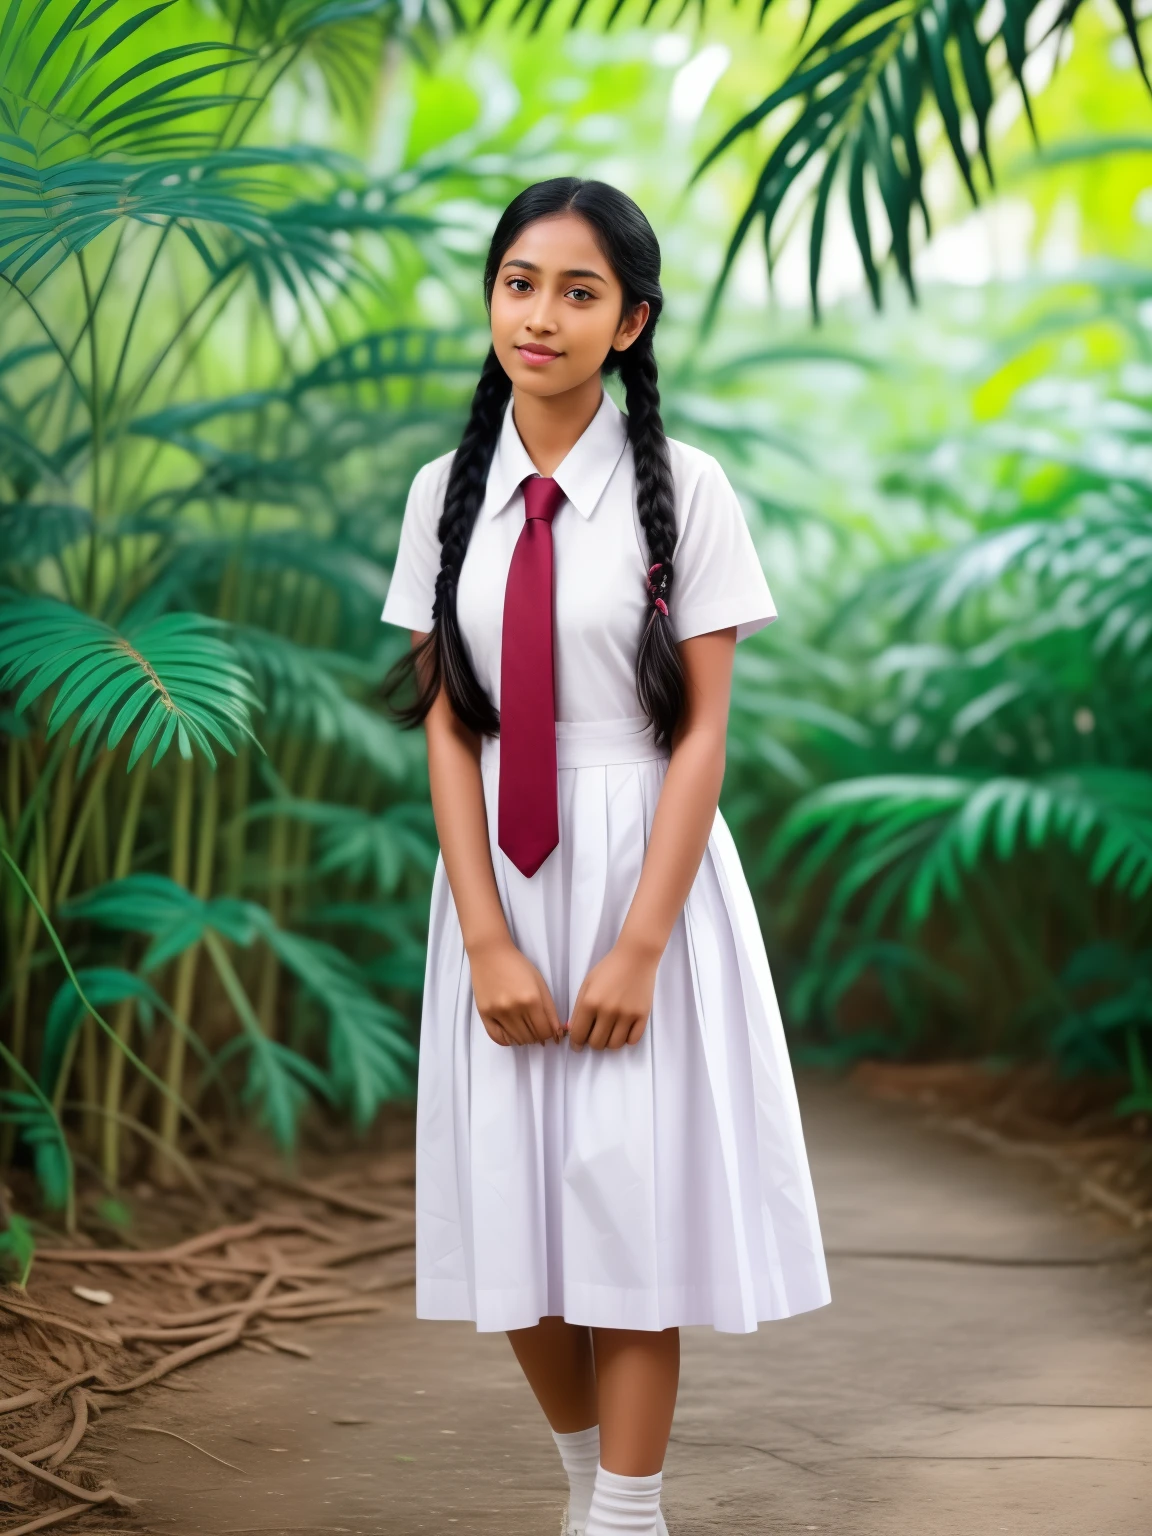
<point>441,660</point>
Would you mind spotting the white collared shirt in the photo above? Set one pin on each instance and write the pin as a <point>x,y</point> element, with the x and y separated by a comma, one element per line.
<point>600,563</point>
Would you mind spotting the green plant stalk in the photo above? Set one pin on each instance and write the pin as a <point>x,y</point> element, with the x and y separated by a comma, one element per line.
<point>110,1137</point>
<point>22,977</point>
<point>126,842</point>
<point>1137,1065</point>
<point>96,415</point>
<point>310,790</point>
<point>90,1081</point>
<point>141,1066</point>
<point>171,1155</point>
<point>76,841</point>
<point>63,792</point>
<point>19,1071</point>
<point>237,832</point>
<point>184,987</point>
<point>279,843</point>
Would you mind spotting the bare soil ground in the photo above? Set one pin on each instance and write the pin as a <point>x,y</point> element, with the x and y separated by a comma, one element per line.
<point>985,1366</point>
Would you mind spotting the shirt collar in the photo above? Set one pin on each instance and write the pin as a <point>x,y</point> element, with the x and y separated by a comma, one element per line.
<point>584,473</point>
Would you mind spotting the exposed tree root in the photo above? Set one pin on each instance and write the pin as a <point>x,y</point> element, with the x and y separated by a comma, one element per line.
<point>237,1285</point>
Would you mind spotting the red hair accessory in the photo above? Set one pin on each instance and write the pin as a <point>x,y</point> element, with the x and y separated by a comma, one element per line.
<point>653,591</point>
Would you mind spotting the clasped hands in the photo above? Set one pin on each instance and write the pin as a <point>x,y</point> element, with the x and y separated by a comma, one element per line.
<point>611,1008</point>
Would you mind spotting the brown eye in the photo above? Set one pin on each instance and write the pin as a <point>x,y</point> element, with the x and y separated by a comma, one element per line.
<point>526,288</point>
<point>581,294</point>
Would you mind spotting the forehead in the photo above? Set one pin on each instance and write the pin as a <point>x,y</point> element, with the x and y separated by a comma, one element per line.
<point>559,243</point>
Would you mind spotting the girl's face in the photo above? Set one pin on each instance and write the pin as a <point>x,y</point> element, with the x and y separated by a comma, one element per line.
<point>557,307</point>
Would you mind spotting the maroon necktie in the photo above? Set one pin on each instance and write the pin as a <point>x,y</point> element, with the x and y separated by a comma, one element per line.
<point>528,819</point>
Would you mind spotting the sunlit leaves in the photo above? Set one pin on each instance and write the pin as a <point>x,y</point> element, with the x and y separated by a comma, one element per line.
<point>855,101</point>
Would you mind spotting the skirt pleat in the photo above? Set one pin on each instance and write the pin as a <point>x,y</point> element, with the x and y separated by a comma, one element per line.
<point>659,1185</point>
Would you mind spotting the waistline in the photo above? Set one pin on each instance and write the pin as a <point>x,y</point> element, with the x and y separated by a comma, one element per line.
<point>593,743</point>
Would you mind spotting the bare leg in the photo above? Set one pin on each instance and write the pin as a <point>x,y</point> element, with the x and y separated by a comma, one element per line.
<point>637,1374</point>
<point>556,1357</point>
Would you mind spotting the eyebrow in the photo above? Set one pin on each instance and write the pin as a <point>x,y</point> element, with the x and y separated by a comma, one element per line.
<point>530,266</point>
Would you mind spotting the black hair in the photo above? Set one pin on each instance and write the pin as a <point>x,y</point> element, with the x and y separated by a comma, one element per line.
<point>630,246</point>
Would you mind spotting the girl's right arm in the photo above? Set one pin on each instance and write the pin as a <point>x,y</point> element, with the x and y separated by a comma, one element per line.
<point>511,995</point>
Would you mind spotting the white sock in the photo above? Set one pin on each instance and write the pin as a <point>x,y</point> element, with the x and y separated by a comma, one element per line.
<point>580,1453</point>
<point>624,1506</point>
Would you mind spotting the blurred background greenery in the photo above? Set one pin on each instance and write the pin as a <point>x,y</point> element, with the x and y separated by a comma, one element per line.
<point>909,309</point>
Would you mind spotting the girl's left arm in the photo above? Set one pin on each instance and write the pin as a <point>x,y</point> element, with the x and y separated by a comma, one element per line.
<point>615,1000</point>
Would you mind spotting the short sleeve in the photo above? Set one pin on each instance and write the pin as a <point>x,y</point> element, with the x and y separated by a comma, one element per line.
<point>718,578</point>
<point>413,585</point>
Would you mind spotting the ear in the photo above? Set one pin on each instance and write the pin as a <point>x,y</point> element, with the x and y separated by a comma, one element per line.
<point>631,326</point>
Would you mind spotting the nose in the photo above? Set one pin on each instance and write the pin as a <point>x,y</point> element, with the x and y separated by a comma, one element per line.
<point>541,318</point>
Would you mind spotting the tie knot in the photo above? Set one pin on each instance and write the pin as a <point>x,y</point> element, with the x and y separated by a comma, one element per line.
<point>542,498</point>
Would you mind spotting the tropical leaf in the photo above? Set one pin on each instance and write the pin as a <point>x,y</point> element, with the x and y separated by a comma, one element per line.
<point>17,1250</point>
<point>302,694</point>
<point>173,917</point>
<point>369,1043</point>
<point>33,531</point>
<point>912,840</point>
<point>370,1046</point>
<point>103,985</point>
<point>855,98</point>
<point>173,678</point>
<point>79,79</point>
<point>381,848</point>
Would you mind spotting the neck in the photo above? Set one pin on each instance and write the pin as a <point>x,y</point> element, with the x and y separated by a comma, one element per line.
<point>551,425</point>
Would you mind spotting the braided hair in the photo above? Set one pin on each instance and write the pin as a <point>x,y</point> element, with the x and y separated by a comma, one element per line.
<point>441,659</point>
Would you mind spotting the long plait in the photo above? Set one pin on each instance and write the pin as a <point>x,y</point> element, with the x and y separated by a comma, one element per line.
<point>659,672</point>
<point>442,656</point>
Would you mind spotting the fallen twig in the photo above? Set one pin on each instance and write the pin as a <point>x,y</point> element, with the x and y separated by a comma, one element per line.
<point>154,1429</point>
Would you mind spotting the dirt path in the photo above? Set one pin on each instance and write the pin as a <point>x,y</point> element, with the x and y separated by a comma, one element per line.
<point>937,1396</point>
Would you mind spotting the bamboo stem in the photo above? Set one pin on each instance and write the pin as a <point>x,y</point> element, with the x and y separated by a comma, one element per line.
<point>113,1091</point>
<point>184,987</point>
<point>137,785</point>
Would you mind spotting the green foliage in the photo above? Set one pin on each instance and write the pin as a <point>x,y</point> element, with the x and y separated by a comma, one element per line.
<point>202,567</point>
<point>17,1251</point>
<point>861,91</point>
<point>170,679</point>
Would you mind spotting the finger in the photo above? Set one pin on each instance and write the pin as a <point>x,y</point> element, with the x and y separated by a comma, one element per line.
<point>495,1031</point>
<point>636,1033</point>
<point>601,1031</point>
<point>513,1026</point>
<point>580,1027</point>
<point>619,1035</point>
<point>555,1027</point>
<point>535,1032</point>
<point>539,1024</point>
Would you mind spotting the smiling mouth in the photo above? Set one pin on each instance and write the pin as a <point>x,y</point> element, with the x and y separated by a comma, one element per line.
<point>535,354</point>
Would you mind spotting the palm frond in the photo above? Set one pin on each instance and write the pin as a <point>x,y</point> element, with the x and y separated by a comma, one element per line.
<point>858,94</point>
<point>174,678</point>
<point>914,839</point>
<point>381,848</point>
<point>302,694</point>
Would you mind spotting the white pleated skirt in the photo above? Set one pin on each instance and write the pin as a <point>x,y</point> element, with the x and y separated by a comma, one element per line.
<point>662,1184</point>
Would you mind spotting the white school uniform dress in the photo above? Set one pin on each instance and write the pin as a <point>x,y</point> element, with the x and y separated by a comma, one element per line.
<point>664,1183</point>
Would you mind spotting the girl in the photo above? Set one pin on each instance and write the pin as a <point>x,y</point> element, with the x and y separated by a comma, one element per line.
<point>576,584</point>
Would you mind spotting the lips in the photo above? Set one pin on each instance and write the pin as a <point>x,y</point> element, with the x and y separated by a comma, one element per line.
<point>537,354</point>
